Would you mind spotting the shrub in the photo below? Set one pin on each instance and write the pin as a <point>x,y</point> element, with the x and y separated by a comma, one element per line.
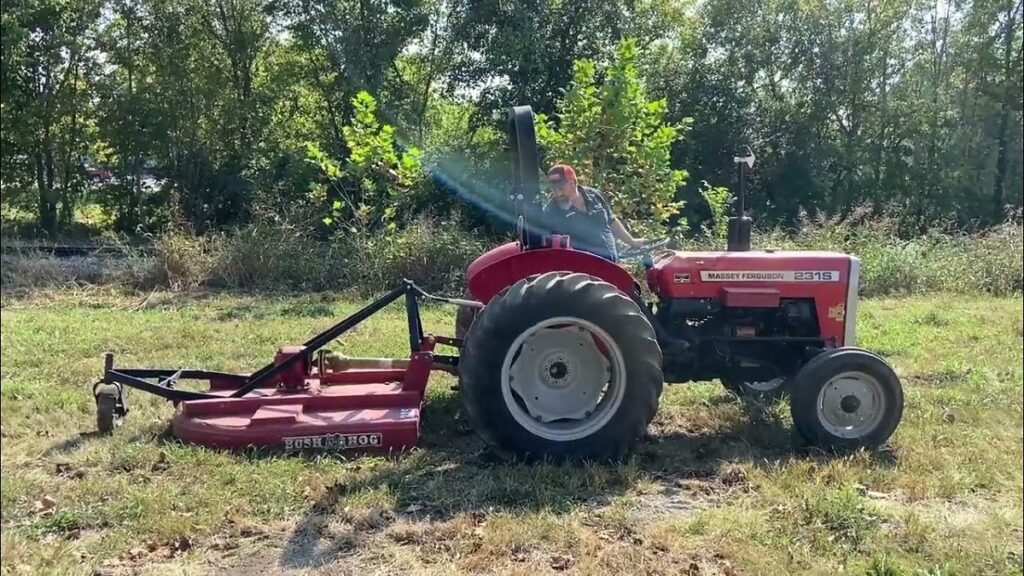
<point>289,253</point>
<point>183,260</point>
<point>620,142</point>
<point>432,253</point>
<point>276,254</point>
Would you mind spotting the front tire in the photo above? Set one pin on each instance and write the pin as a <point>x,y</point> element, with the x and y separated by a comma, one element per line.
<point>846,399</point>
<point>561,366</point>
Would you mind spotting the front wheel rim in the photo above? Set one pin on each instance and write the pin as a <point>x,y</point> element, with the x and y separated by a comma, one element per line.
<point>563,378</point>
<point>851,405</point>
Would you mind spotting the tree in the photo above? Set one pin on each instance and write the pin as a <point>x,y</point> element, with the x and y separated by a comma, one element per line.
<point>618,142</point>
<point>371,189</point>
<point>47,63</point>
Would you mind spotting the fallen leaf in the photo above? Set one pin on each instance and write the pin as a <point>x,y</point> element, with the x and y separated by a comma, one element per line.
<point>561,562</point>
<point>44,505</point>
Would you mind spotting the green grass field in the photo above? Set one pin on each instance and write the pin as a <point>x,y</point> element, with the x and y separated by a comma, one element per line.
<point>720,487</point>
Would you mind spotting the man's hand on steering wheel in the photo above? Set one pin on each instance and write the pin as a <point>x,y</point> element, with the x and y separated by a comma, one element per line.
<point>644,246</point>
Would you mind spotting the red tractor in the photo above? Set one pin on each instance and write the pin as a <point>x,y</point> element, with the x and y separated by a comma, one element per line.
<point>561,356</point>
<point>567,359</point>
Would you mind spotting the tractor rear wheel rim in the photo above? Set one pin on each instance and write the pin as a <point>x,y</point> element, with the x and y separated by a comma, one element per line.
<point>559,383</point>
<point>851,404</point>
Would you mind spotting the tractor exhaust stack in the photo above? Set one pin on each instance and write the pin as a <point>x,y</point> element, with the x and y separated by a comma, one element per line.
<point>740,226</point>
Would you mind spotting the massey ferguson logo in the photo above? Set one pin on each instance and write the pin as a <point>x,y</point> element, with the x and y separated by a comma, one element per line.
<point>769,275</point>
<point>332,442</point>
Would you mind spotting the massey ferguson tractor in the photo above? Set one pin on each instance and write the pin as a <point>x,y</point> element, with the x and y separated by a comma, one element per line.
<point>560,354</point>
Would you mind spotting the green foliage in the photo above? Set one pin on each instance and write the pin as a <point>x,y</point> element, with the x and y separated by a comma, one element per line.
<point>719,200</point>
<point>432,253</point>
<point>375,185</point>
<point>843,103</point>
<point>46,106</point>
<point>619,142</point>
<point>938,260</point>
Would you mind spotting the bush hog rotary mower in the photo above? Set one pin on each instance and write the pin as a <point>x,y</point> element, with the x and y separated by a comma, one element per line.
<point>559,355</point>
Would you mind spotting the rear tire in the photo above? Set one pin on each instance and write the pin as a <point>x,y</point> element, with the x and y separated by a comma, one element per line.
<point>565,314</point>
<point>846,399</point>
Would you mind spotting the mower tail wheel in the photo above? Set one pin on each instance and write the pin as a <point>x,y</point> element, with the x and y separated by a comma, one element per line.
<point>108,413</point>
<point>561,366</point>
<point>846,399</point>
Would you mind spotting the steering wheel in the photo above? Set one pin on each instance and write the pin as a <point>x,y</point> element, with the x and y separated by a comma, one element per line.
<point>645,249</point>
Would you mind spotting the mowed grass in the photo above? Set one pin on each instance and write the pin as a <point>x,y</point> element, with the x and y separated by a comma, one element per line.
<point>720,487</point>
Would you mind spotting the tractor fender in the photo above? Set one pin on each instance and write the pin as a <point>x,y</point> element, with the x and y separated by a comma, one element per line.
<point>502,267</point>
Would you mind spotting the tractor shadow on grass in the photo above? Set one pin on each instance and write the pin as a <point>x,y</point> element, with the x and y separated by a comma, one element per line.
<point>452,473</point>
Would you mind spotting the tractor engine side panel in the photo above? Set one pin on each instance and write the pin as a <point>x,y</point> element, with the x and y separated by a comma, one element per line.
<point>494,271</point>
<point>829,279</point>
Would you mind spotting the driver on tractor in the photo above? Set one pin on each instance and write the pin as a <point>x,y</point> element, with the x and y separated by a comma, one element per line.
<point>582,213</point>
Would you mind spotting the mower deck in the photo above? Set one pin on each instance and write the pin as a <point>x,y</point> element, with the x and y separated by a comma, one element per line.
<point>357,409</point>
<point>306,399</point>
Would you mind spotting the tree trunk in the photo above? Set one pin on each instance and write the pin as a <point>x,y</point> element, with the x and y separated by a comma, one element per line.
<point>131,215</point>
<point>67,192</point>
<point>1002,157</point>
<point>47,207</point>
